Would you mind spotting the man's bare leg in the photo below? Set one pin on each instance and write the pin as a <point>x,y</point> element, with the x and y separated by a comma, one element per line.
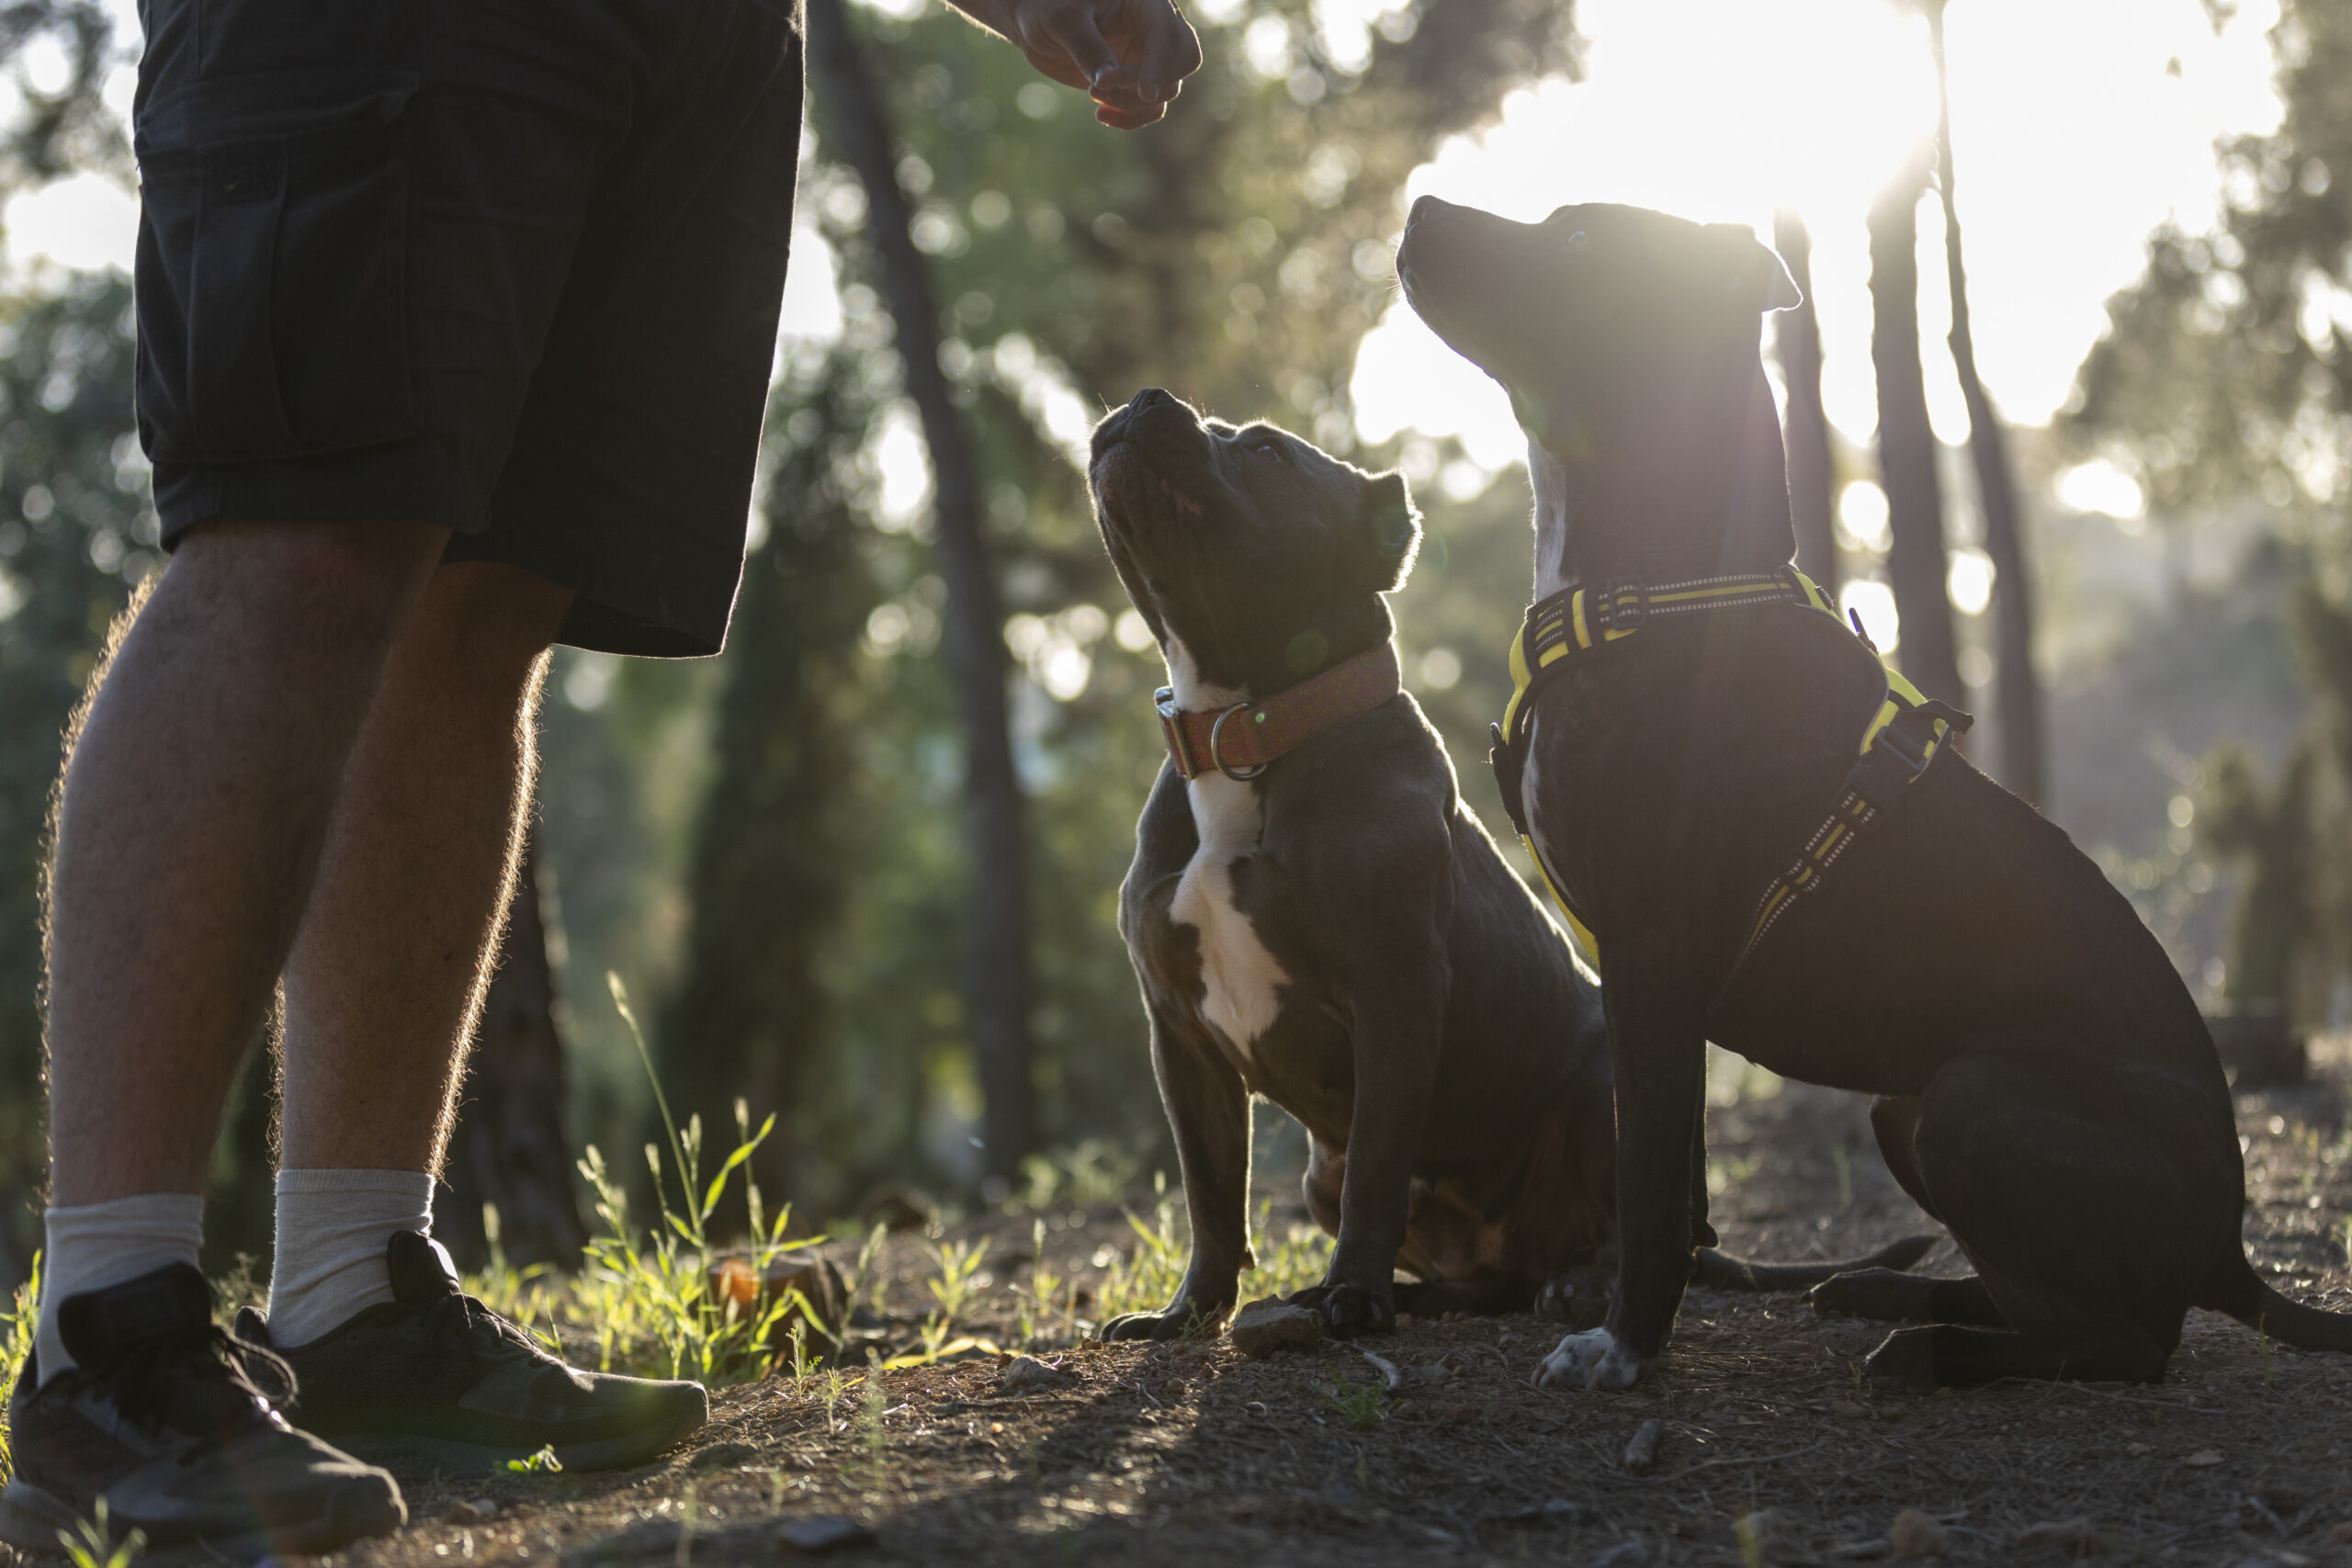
<point>386,975</point>
<point>381,991</point>
<point>195,806</point>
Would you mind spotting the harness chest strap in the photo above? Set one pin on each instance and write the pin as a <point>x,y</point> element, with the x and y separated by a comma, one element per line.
<point>1239,740</point>
<point>1905,733</point>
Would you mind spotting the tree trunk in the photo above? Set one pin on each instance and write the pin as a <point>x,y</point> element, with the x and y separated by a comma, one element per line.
<point>774,844</point>
<point>2018,690</point>
<point>997,974</point>
<point>1796,336</point>
<point>512,1148</point>
<point>1916,567</point>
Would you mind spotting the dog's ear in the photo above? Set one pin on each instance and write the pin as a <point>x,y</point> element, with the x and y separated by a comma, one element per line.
<point>1758,268</point>
<point>1395,527</point>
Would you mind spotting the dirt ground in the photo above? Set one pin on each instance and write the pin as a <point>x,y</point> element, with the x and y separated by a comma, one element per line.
<point>1773,1449</point>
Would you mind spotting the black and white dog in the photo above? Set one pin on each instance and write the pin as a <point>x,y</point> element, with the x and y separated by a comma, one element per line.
<point>1316,917</point>
<point>2045,1085</point>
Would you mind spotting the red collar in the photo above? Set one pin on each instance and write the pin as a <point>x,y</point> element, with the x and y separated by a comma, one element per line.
<point>1239,740</point>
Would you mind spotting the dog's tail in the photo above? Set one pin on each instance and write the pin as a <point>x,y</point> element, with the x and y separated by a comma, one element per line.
<point>1719,1270</point>
<point>2241,1293</point>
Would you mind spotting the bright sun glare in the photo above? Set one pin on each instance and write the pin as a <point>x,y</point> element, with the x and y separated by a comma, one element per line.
<point>2078,126</point>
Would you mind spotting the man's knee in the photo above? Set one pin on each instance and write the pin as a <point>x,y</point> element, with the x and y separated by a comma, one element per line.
<point>485,611</point>
<point>328,584</point>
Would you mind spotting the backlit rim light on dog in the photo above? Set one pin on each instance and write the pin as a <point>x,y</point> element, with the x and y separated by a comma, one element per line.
<point>2074,137</point>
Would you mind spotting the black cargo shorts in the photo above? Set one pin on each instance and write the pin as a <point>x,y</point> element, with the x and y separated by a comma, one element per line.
<point>512,266</point>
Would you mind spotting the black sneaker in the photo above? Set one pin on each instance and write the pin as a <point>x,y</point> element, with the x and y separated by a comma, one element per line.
<point>434,1382</point>
<point>164,1418</point>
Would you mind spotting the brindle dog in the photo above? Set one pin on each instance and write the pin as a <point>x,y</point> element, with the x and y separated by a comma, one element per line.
<point>2045,1085</point>
<point>1337,934</point>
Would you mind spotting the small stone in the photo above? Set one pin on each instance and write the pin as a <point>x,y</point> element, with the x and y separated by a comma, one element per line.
<point>822,1532</point>
<point>2139,1450</point>
<point>1849,1407</point>
<point>2340,1534</point>
<point>2203,1458</point>
<point>1262,1327</point>
<point>1026,1375</point>
<point>472,1510</point>
<point>1916,1533</point>
<point>2072,1538</point>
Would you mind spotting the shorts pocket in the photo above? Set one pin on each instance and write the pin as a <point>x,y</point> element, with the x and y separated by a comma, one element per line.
<point>271,272</point>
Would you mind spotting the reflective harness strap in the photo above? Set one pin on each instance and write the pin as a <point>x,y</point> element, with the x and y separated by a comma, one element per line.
<point>1905,733</point>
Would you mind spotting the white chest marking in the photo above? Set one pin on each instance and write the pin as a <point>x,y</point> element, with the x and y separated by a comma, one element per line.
<point>1242,980</point>
<point>1549,477</point>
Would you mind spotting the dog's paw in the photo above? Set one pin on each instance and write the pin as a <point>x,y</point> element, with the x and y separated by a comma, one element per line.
<point>1904,1360</point>
<point>1578,1297</point>
<point>1594,1359</point>
<point>1181,1318</point>
<point>1350,1309</point>
<point>1838,1296</point>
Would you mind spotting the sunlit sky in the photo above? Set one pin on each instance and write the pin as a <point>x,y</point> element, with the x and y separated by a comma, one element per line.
<point>2071,138</point>
<point>2076,134</point>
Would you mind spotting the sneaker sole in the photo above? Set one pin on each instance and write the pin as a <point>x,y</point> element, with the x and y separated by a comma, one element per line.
<point>412,1457</point>
<point>32,1516</point>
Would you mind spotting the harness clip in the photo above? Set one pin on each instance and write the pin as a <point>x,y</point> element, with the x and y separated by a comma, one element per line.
<point>1622,606</point>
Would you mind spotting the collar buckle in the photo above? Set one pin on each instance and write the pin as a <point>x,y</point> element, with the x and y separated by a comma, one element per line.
<point>1171,727</point>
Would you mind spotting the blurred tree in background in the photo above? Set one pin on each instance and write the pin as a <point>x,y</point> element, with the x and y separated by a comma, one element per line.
<point>1235,254</point>
<point>75,533</point>
<point>2226,373</point>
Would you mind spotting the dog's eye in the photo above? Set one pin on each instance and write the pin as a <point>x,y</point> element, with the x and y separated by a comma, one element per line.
<point>1268,446</point>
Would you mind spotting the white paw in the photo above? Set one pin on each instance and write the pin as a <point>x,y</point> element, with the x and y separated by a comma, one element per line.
<point>1592,1360</point>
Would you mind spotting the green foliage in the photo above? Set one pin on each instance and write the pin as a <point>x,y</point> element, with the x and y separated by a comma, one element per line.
<point>871,1407</point>
<point>1359,1404</point>
<point>1236,254</point>
<point>651,1301</point>
<point>17,1322</point>
<point>2268,831</point>
<point>544,1463</point>
<point>1145,1278</point>
<point>91,1543</point>
<point>2218,374</point>
<point>76,531</point>
<point>958,1263</point>
<point>2226,376</point>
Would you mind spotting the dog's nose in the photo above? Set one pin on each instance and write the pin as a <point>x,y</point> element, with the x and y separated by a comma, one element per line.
<point>1426,208</point>
<point>1149,397</point>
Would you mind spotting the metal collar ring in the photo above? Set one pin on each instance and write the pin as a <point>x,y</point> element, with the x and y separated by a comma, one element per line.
<point>1216,731</point>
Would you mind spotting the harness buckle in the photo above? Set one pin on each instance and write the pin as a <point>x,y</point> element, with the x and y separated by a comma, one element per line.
<point>1622,606</point>
<point>1910,750</point>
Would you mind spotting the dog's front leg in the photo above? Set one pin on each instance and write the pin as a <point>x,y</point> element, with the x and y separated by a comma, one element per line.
<point>1208,1109</point>
<point>1398,1026</point>
<point>1657,1032</point>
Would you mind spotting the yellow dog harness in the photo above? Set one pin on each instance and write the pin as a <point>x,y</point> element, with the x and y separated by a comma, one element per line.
<point>1905,733</point>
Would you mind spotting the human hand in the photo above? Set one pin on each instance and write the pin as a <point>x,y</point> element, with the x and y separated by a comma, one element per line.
<point>1130,56</point>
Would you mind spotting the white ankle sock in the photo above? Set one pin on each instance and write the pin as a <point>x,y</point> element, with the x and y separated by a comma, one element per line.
<point>92,1246</point>
<point>333,1228</point>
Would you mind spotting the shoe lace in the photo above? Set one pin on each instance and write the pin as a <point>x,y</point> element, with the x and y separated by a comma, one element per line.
<point>198,1378</point>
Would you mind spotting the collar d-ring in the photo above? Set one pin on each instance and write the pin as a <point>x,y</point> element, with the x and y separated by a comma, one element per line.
<point>1218,730</point>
